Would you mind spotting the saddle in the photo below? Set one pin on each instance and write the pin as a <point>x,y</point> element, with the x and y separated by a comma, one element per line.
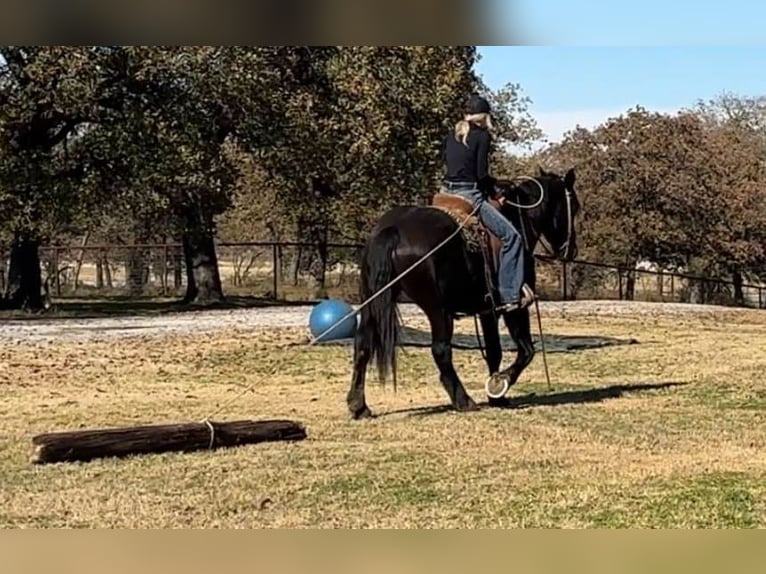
<point>478,238</point>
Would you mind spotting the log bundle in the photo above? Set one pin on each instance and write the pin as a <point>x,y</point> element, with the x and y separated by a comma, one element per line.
<point>85,445</point>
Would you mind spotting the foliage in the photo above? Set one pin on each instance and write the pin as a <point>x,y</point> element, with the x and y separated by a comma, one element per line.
<point>679,190</point>
<point>314,143</point>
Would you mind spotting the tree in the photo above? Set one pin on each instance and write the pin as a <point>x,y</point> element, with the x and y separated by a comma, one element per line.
<point>160,133</point>
<point>739,123</point>
<point>221,96</point>
<point>677,190</point>
<point>640,175</point>
<point>47,96</point>
<point>511,118</point>
<point>357,132</point>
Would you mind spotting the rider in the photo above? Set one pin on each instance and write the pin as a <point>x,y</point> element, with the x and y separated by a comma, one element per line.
<point>467,157</point>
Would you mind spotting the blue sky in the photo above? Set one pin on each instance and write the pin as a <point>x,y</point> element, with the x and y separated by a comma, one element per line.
<point>628,22</point>
<point>586,85</point>
<point>582,61</point>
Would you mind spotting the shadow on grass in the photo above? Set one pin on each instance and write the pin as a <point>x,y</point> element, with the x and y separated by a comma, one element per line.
<point>143,307</point>
<point>532,400</point>
<point>417,338</point>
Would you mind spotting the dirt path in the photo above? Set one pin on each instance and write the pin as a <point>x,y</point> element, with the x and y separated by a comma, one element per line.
<point>15,332</point>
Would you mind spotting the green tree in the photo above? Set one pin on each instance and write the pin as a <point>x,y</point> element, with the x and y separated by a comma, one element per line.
<point>361,130</point>
<point>145,127</point>
<point>48,97</point>
<point>677,190</point>
<point>364,131</point>
<point>739,123</point>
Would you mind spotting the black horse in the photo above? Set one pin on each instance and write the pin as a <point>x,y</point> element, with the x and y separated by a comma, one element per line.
<point>451,283</point>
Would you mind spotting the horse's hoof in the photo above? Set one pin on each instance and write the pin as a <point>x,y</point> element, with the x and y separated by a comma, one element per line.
<point>497,385</point>
<point>363,413</point>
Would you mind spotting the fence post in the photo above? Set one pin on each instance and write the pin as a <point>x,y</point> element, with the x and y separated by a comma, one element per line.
<point>564,280</point>
<point>275,270</point>
<point>760,298</point>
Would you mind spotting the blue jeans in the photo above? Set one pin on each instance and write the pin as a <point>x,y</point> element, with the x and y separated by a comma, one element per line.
<point>511,271</point>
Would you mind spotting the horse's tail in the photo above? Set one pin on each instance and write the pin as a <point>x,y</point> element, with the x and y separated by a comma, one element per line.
<point>379,322</point>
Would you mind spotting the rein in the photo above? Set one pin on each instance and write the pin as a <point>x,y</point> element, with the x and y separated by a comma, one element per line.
<point>570,219</point>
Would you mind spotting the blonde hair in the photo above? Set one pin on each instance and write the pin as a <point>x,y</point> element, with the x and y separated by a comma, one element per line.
<point>462,127</point>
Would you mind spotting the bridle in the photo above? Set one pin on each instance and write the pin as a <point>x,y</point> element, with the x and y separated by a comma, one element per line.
<point>567,245</point>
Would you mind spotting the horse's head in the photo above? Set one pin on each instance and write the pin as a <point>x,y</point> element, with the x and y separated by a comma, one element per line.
<point>551,216</point>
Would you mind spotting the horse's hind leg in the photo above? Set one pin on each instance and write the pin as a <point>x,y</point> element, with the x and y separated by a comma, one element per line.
<point>442,328</point>
<point>357,405</point>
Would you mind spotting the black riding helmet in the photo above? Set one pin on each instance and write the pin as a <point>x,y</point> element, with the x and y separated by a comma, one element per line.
<point>477,105</point>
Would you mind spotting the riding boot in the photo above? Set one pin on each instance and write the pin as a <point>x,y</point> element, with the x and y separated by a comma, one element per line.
<point>527,298</point>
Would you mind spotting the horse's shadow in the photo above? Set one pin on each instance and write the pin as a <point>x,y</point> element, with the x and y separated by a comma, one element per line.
<point>530,400</point>
<point>554,343</point>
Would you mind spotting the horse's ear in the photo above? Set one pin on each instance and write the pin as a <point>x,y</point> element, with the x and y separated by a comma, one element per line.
<point>541,170</point>
<point>569,178</point>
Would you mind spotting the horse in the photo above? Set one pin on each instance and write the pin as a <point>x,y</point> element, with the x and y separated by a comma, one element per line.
<point>452,282</point>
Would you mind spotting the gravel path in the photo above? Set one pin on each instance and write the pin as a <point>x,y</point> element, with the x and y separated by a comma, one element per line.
<point>15,332</point>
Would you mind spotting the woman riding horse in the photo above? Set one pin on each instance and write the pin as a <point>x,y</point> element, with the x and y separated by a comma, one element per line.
<point>466,154</point>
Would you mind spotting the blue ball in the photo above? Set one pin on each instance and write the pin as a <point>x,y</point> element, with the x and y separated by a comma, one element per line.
<point>329,312</point>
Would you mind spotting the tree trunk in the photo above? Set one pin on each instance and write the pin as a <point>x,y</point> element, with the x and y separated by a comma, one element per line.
<point>178,264</point>
<point>86,445</point>
<point>107,271</point>
<point>295,266</point>
<point>78,264</point>
<point>630,285</point>
<point>203,280</point>
<point>99,272</point>
<point>24,288</point>
<point>697,291</point>
<point>191,283</point>
<point>318,233</point>
<point>281,259</point>
<point>135,270</point>
<point>739,295</point>
<point>620,285</point>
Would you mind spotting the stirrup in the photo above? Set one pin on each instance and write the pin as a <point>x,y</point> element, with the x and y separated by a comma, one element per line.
<point>507,307</point>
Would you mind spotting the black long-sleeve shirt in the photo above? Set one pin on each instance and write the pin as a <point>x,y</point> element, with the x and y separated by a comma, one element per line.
<point>469,163</point>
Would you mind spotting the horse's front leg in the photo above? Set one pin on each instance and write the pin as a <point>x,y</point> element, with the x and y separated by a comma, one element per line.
<point>518,325</point>
<point>496,385</point>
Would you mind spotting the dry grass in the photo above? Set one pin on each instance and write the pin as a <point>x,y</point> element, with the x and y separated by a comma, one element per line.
<point>610,446</point>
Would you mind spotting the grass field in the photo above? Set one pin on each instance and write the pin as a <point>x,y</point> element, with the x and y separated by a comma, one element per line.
<point>668,432</point>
